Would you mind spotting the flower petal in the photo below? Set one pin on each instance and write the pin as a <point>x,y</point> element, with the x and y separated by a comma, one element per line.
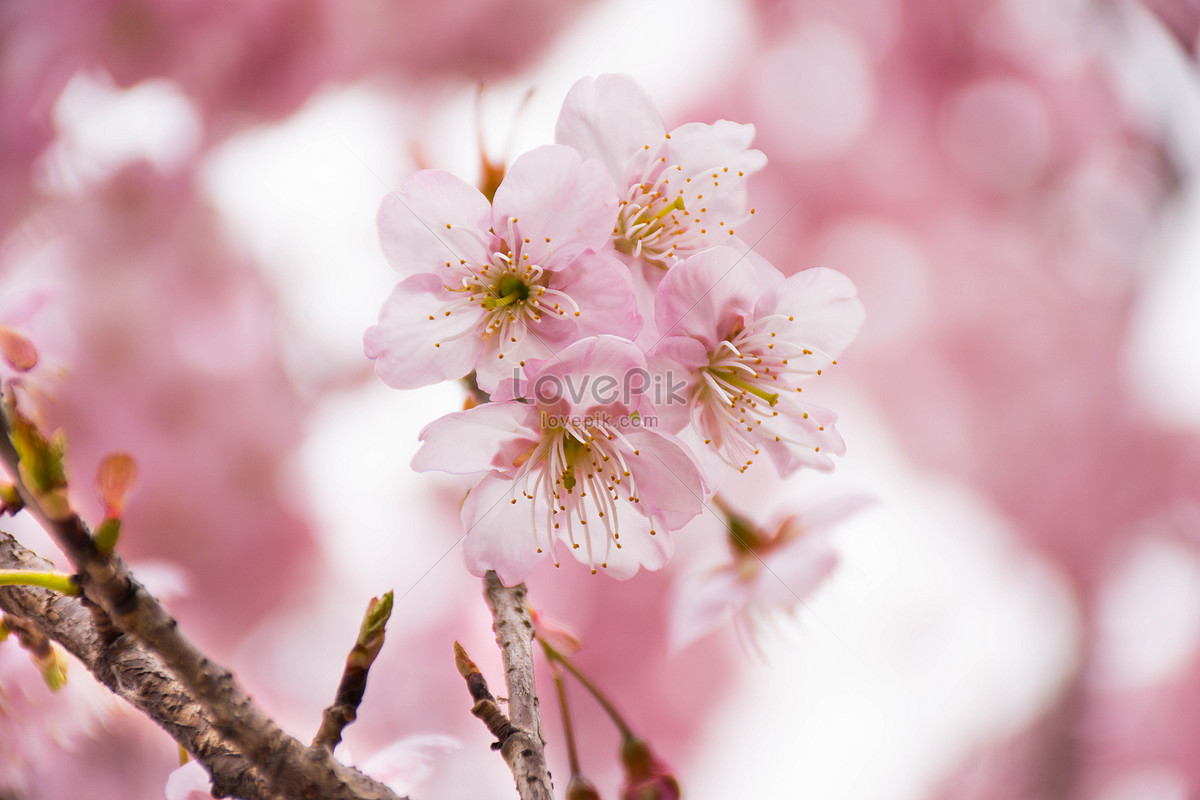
<point>792,572</point>
<point>673,374</point>
<point>668,480</point>
<point>638,550</point>
<point>407,762</point>
<point>719,161</point>
<point>603,288</point>
<point>189,782</point>
<point>597,375</point>
<point>610,118</point>
<point>432,218</point>
<point>700,148</point>
<point>499,531</point>
<point>708,295</point>
<point>562,205</point>
<point>825,308</point>
<point>804,441</point>
<point>703,603</point>
<point>415,343</point>
<point>480,439</point>
<point>817,518</point>
<point>541,341</point>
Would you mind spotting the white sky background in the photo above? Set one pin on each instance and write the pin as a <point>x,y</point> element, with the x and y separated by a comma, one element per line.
<point>935,632</point>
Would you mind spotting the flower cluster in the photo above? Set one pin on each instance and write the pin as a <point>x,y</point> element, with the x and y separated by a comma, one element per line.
<point>605,304</point>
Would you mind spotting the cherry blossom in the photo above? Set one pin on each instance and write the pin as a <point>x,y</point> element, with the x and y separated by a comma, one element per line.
<point>400,765</point>
<point>681,192</point>
<point>767,571</point>
<point>742,337</point>
<point>37,724</point>
<point>580,462</point>
<point>516,279</point>
<point>189,782</point>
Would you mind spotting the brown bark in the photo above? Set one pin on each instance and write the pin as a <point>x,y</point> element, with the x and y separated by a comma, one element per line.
<point>286,765</point>
<point>524,749</point>
<point>130,671</point>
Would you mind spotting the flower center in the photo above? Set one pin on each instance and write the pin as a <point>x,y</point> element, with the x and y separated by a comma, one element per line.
<point>510,289</point>
<point>745,387</point>
<point>584,475</point>
<point>652,225</point>
<point>512,292</point>
<point>664,216</point>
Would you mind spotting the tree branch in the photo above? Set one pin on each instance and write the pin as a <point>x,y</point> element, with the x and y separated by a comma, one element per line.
<point>130,671</point>
<point>354,676</point>
<point>288,766</point>
<point>524,749</point>
<point>485,708</point>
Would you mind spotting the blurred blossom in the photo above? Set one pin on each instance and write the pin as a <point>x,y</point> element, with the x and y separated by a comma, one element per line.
<point>993,195</point>
<point>407,762</point>
<point>248,62</point>
<point>19,353</point>
<point>37,724</point>
<point>767,571</point>
<point>971,167</point>
<point>189,782</point>
<point>173,360</point>
<point>1013,198</point>
<point>1181,18</point>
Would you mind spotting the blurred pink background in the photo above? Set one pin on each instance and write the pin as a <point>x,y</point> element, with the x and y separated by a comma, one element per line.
<point>1012,185</point>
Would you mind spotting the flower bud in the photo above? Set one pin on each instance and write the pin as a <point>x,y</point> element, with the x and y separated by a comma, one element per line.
<point>53,666</point>
<point>580,788</point>
<point>114,479</point>
<point>18,351</point>
<point>646,777</point>
<point>560,638</point>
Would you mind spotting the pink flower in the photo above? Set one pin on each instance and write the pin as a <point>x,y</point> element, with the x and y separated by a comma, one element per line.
<point>580,462</point>
<point>682,191</point>
<point>517,279</point>
<point>400,766</point>
<point>39,725</point>
<point>406,762</point>
<point>30,345</point>
<point>766,573</point>
<point>743,338</point>
<point>189,782</point>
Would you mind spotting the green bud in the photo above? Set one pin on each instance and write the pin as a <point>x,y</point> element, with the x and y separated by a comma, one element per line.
<point>41,464</point>
<point>54,668</point>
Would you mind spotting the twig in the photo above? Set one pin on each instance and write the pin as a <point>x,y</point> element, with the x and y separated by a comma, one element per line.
<point>524,749</point>
<point>45,578</point>
<point>130,671</point>
<point>287,765</point>
<point>485,706</point>
<point>354,677</point>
